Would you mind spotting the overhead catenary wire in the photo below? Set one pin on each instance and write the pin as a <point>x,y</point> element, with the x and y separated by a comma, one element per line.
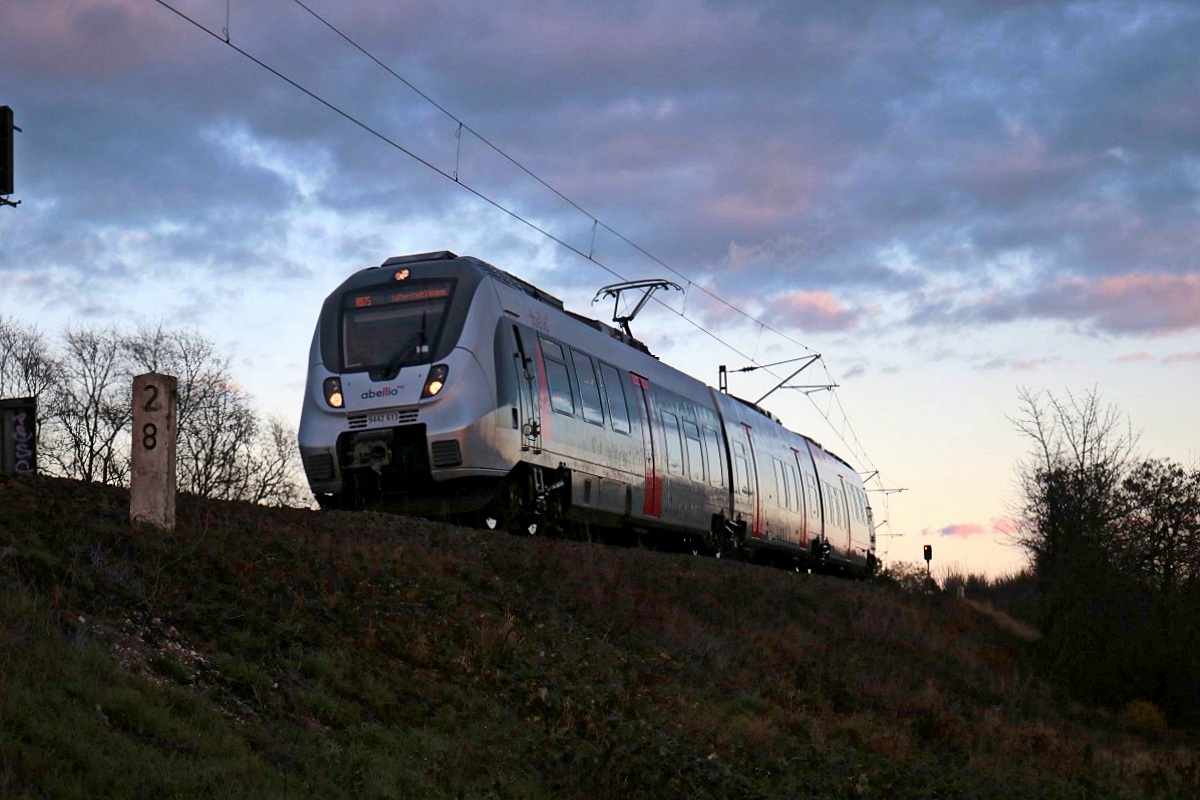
<point>597,223</point>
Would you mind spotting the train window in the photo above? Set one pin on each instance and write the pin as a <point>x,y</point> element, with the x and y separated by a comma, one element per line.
<point>390,327</point>
<point>712,446</point>
<point>836,506</point>
<point>810,490</point>
<point>674,444</point>
<point>614,390</point>
<point>793,488</point>
<point>559,379</point>
<point>741,468</point>
<point>695,451</point>
<point>589,387</point>
<point>781,496</point>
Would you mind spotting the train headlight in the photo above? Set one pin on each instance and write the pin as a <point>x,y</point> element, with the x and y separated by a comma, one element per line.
<point>435,381</point>
<point>333,392</point>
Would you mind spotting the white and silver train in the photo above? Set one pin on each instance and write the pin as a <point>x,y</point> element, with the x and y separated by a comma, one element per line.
<point>441,386</point>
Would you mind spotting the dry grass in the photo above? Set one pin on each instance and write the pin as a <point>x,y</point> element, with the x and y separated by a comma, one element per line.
<point>283,653</point>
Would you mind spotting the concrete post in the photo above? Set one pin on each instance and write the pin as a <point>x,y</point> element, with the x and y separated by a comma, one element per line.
<point>152,473</point>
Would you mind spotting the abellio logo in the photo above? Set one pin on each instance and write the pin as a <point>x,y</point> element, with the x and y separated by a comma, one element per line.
<point>383,391</point>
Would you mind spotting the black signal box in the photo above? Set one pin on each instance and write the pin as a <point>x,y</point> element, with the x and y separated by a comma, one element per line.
<point>929,552</point>
<point>7,131</point>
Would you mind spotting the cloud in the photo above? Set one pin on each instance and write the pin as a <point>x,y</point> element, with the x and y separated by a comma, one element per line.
<point>1005,526</point>
<point>965,530</point>
<point>85,39</point>
<point>1017,364</point>
<point>866,155</point>
<point>1134,304</point>
<point>811,311</point>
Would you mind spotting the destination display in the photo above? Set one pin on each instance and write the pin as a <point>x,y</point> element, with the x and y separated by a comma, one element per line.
<point>392,296</point>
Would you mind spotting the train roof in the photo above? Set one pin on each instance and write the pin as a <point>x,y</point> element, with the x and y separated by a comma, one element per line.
<point>528,288</point>
<point>521,285</point>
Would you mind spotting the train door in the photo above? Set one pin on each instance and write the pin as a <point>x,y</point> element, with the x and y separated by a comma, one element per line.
<point>527,396</point>
<point>652,506</point>
<point>803,526</point>
<point>815,500</point>
<point>844,501</point>
<point>862,534</point>
<point>756,529</point>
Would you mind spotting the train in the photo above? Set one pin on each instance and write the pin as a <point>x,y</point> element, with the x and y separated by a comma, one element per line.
<point>441,386</point>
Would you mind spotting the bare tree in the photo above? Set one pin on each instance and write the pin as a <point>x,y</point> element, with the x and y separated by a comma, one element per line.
<point>1115,548</point>
<point>1071,506</point>
<point>224,451</point>
<point>274,473</point>
<point>27,366</point>
<point>1071,480</point>
<point>90,408</point>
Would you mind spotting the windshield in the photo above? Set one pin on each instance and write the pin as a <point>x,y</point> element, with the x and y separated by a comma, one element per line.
<point>391,327</point>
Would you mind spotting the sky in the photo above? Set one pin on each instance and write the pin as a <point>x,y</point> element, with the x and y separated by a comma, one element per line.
<point>950,201</point>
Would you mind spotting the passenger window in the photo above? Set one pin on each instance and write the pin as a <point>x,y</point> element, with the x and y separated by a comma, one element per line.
<point>835,506</point>
<point>589,388</point>
<point>814,502</point>
<point>781,497</point>
<point>741,468</point>
<point>674,444</point>
<point>559,379</point>
<point>695,451</point>
<point>716,469</point>
<point>793,488</point>
<point>614,390</point>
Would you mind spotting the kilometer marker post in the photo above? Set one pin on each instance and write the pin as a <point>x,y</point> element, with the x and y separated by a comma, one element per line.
<point>152,472</point>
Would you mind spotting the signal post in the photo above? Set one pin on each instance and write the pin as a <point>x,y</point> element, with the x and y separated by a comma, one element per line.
<point>152,472</point>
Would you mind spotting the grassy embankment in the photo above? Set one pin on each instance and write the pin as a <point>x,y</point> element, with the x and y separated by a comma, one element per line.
<point>283,653</point>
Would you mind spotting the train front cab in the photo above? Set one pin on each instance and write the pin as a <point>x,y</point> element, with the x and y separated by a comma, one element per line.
<point>396,393</point>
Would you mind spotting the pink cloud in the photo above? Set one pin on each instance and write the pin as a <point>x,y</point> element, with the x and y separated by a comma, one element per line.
<point>814,311</point>
<point>88,37</point>
<point>1003,526</point>
<point>1182,358</point>
<point>963,530</point>
<point>1154,303</point>
<point>1146,304</point>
